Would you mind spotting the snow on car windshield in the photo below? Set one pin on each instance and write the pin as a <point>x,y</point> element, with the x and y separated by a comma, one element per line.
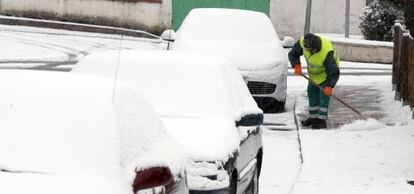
<point>228,25</point>
<point>178,84</point>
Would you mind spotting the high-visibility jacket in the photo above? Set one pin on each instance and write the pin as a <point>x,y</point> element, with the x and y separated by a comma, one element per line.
<point>315,61</point>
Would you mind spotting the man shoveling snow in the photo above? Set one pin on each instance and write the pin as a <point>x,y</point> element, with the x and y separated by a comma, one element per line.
<point>323,69</point>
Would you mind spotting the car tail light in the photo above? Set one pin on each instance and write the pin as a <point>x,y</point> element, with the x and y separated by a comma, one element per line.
<point>152,177</point>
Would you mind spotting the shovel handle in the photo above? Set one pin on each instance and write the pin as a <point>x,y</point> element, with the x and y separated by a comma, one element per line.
<point>335,97</point>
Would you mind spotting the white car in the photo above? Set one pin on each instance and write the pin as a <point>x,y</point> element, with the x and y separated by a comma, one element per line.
<point>249,39</point>
<point>204,104</point>
<point>74,134</point>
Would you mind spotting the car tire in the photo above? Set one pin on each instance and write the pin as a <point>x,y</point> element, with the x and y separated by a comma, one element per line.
<point>276,107</point>
<point>270,105</point>
<point>253,188</point>
<point>233,184</point>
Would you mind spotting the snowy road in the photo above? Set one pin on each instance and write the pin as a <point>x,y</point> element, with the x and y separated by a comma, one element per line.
<point>358,158</point>
<point>49,49</point>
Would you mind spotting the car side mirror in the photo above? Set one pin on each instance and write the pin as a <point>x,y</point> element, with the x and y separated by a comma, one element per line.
<point>288,42</point>
<point>152,177</point>
<point>250,120</point>
<point>168,35</point>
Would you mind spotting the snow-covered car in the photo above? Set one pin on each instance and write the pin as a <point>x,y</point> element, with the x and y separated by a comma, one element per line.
<point>204,104</point>
<point>246,37</point>
<point>72,134</point>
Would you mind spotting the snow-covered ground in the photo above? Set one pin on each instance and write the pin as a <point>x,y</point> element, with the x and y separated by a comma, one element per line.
<point>360,157</point>
<point>377,159</point>
<point>51,49</point>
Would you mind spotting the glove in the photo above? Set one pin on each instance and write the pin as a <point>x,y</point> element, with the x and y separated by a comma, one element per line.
<point>298,69</point>
<point>328,90</point>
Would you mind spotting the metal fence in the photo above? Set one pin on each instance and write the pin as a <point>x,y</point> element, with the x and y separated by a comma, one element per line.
<point>403,66</point>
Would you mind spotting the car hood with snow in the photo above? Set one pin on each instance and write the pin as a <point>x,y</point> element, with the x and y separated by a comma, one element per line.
<point>252,44</point>
<point>204,138</point>
<point>186,87</point>
<point>246,55</point>
<point>73,130</point>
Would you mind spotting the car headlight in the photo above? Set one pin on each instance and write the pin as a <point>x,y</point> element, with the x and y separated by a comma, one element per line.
<point>203,175</point>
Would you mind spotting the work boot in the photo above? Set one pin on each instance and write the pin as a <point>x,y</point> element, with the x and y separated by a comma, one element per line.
<point>308,122</point>
<point>319,124</point>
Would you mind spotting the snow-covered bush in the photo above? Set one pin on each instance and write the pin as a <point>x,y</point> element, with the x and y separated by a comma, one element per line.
<point>409,15</point>
<point>377,20</point>
<point>407,6</point>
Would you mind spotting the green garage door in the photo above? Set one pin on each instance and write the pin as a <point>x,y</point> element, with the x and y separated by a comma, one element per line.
<point>180,8</point>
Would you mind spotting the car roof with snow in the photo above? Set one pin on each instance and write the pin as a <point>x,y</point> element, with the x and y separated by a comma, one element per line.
<point>199,97</point>
<point>228,25</point>
<point>72,128</point>
<point>246,37</point>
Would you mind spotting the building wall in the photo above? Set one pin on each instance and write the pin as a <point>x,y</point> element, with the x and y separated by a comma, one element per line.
<point>288,16</point>
<point>328,16</point>
<point>151,15</point>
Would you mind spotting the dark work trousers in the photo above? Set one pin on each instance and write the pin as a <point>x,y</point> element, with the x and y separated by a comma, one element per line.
<point>318,102</point>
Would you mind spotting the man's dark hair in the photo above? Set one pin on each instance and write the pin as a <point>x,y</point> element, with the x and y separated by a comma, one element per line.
<point>312,42</point>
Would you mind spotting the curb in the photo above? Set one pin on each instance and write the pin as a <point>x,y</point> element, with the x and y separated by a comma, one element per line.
<point>20,21</point>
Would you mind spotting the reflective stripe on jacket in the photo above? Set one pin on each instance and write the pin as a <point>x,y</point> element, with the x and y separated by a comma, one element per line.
<point>315,61</point>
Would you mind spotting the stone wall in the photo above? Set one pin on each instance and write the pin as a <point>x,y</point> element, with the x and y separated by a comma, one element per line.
<point>361,52</point>
<point>150,15</point>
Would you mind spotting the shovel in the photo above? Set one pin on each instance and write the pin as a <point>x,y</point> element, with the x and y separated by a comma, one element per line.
<point>336,98</point>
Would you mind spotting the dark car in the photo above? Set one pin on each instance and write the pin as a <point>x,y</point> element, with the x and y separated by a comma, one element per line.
<point>204,104</point>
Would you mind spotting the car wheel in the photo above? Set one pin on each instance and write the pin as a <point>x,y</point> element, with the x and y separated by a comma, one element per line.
<point>270,105</point>
<point>254,184</point>
<point>276,107</point>
<point>233,184</point>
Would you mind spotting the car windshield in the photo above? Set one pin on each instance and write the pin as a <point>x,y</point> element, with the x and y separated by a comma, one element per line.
<point>228,25</point>
<point>60,129</point>
<point>54,130</point>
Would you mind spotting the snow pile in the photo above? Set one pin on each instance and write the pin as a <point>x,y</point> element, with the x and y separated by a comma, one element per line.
<point>396,113</point>
<point>369,124</point>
